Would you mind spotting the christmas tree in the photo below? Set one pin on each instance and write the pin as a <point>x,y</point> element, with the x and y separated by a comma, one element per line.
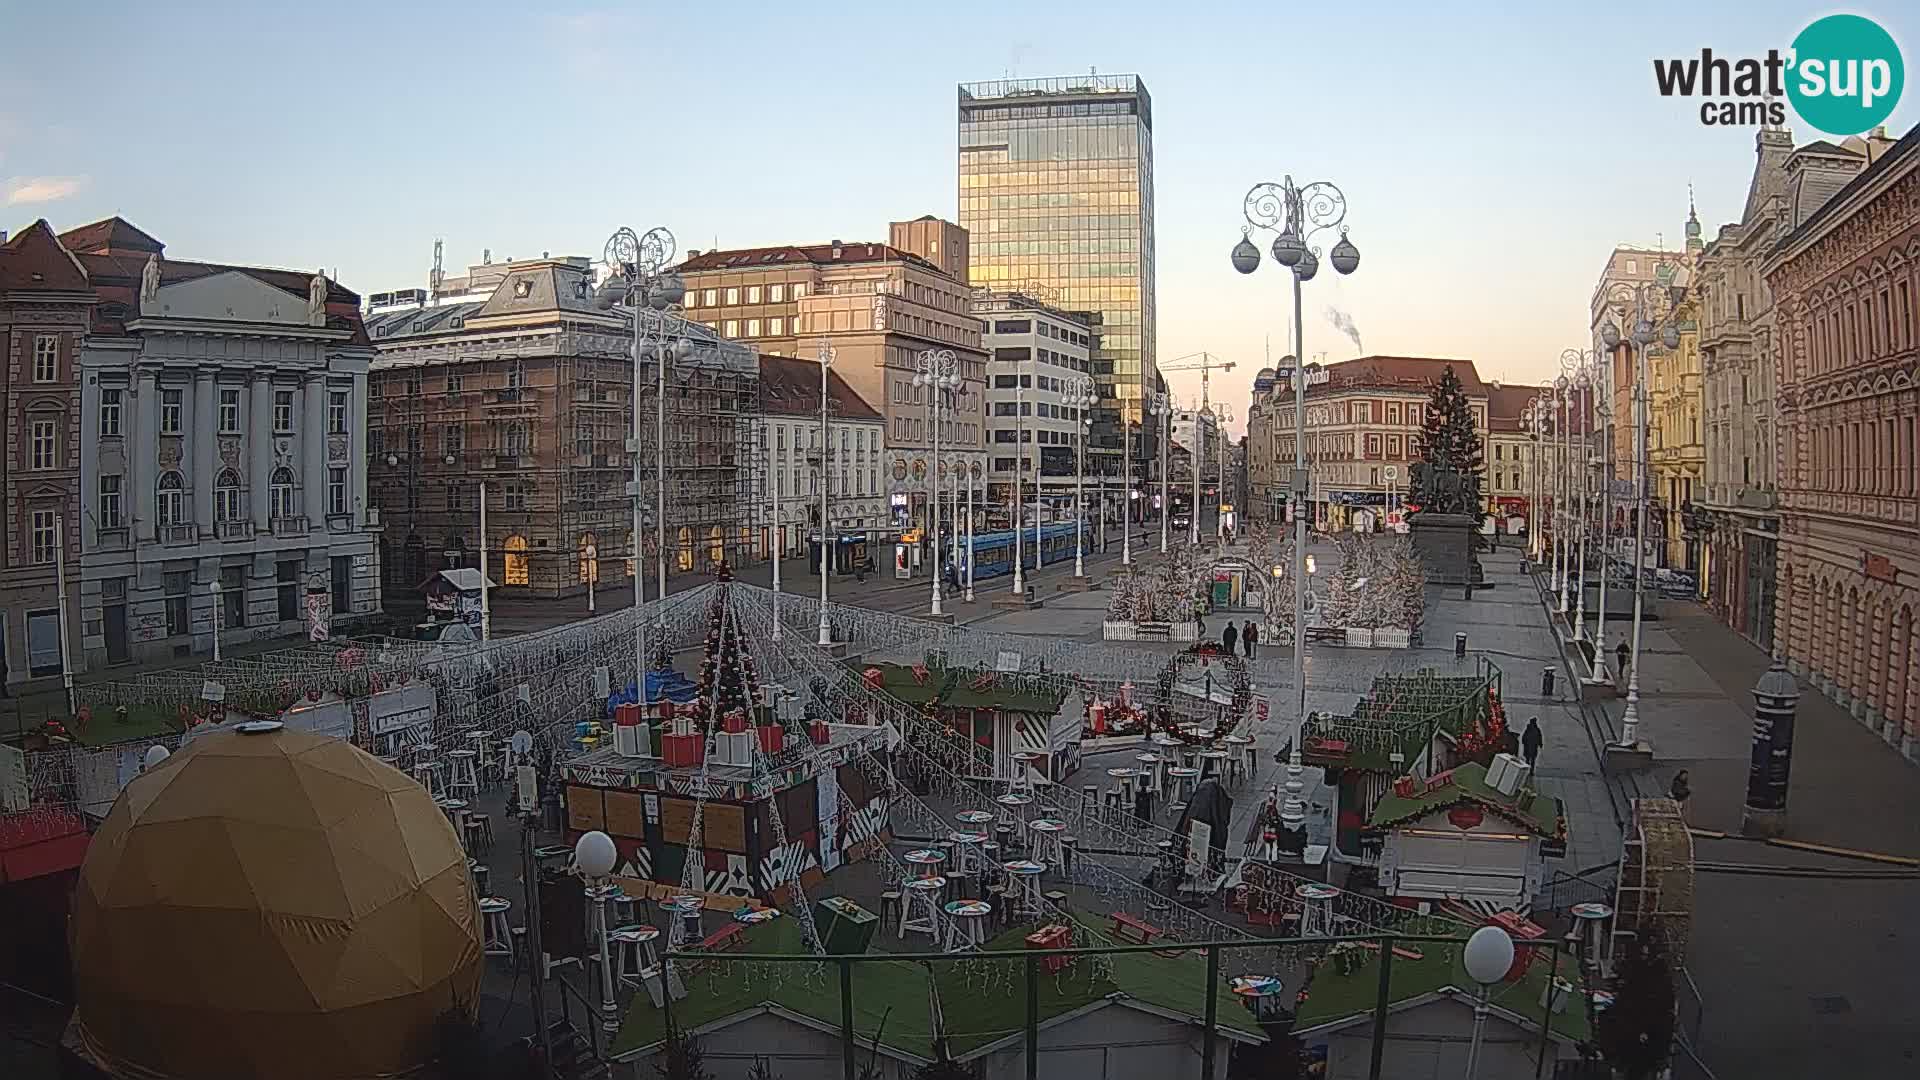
<point>1636,1034</point>
<point>726,671</point>
<point>1447,479</point>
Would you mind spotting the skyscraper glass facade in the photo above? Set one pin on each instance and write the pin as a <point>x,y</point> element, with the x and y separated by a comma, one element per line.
<point>1056,192</point>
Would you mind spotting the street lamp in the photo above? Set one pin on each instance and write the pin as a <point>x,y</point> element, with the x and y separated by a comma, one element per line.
<point>939,370</point>
<point>1563,522</point>
<point>651,294</point>
<point>593,572</point>
<point>1163,408</point>
<point>594,856</point>
<point>213,587</point>
<point>826,355</point>
<point>1488,957</point>
<point>1080,398</point>
<point>1592,379</point>
<point>1578,386</point>
<point>1222,416</point>
<point>1297,214</point>
<point>973,472</point>
<point>1641,336</point>
<point>1196,457</point>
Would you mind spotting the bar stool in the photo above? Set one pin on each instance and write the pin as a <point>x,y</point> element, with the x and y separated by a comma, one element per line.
<point>1069,856</point>
<point>921,913</point>
<point>1090,799</point>
<point>422,751</point>
<point>463,782</point>
<point>428,774</point>
<point>1046,833</point>
<point>1154,766</point>
<point>479,831</point>
<point>497,933</point>
<point>1025,765</point>
<point>1184,778</point>
<point>1003,839</point>
<point>891,908</point>
<point>481,872</point>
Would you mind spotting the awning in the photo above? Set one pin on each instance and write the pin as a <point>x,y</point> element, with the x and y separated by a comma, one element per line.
<point>41,842</point>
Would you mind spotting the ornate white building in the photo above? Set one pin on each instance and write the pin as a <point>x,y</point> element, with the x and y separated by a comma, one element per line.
<point>224,463</point>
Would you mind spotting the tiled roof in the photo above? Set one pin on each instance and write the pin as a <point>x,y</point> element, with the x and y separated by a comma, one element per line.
<point>1871,174</point>
<point>116,278</point>
<point>805,255</point>
<point>790,386</point>
<point>1401,372</point>
<point>115,234</point>
<point>34,261</point>
<point>1507,403</point>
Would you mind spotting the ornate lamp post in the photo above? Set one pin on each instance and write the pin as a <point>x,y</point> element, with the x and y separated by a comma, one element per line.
<point>1577,387</point>
<point>1592,380</point>
<point>1080,398</point>
<point>939,370</point>
<point>973,480</point>
<point>826,356</point>
<point>651,295</point>
<point>1222,416</point>
<point>1297,214</point>
<point>1642,335</point>
<point>1563,532</point>
<point>1162,407</point>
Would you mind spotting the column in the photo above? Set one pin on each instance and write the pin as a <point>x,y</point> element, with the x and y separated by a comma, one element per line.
<point>205,430</point>
<point>357,449</point>
<point>260,452</point>
<point>143,458</point>
<point>313,437</point>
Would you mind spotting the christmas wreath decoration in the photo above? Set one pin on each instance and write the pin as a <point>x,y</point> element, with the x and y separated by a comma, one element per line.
<point>1234,673</point>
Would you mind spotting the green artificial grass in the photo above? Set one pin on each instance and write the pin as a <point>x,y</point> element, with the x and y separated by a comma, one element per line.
<point>1468,784</point>
<point>953,688</point>
<point>981,1001</point>
<point>1332,996</point>
<point>145,720</point>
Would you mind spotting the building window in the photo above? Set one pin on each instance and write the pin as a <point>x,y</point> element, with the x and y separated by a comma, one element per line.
<point>516,572</point>
<point>456,496</point>
<point>286,590</point>
<point>733,297</point>
<point>710,297</point>
<point>46,358</point>
<point>517,500</point>
<point>453,438</point>
<point>42,537</point>
<point>233,596</point>
<point>283,411</point>
<point>753,327</point>
<point>776,293</point>
<point>337,491</point>
<point>799,289</point>
<point>732,328</point>
<point>337,410</point>
<point>171,499</point>
<point>456,382</point>
<point>43,439</point>
<point>229,412</point>
<point>109,413</point>
<point>226,497</point>
<point>169,412</point>
<point>753,294</point>
<point>281,489</point>
<point>340,578</point>
<point>775,327</point>
<point>110,508</point>
<point>43,643</point>
<point>176,585</point>
<point>693,298</point>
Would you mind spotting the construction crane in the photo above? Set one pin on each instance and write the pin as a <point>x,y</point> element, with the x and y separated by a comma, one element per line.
<point>1205,363</point>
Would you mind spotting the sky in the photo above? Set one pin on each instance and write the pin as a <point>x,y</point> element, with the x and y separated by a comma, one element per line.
<point>1491,154</point>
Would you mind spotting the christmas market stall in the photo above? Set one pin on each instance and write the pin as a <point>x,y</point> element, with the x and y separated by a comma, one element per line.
<point>1473,834</point>
<point>1005,713</point>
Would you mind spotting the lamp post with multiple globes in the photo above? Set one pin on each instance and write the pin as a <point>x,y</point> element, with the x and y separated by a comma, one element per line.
<point>938,371</point>
<point>1080,399</point>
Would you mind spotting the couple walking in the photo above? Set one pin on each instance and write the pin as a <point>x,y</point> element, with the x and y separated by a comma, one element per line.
<point>1247,635</point>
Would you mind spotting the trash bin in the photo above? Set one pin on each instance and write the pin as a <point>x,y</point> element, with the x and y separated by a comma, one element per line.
<point>1460,646</point>
<point>1546,682</point>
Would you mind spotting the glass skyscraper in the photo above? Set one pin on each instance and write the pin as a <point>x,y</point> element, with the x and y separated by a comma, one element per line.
<point>1056,191</point>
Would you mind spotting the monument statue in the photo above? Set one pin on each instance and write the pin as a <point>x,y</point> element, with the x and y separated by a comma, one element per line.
<point>317,300</point>
<point>150,281</point>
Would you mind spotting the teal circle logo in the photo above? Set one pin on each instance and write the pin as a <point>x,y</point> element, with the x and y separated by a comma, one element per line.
<point>1846,75</point>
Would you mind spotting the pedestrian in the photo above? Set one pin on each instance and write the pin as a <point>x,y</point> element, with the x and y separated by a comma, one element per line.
<point>1679,790</point>
<point>1229,637</point>
<point>1250,636</point>
<point>1620,654</point>
<point>1530,741</point>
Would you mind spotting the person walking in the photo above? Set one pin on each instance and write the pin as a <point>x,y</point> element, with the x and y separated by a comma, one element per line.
<point>1620,654</point>
<point>1530,740</point>
<point>1228,637</point>
<point>1680,790</point>
<point>1250,636</point>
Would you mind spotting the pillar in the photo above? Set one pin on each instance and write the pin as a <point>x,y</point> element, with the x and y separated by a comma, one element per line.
<point>142,464</point>
<point>1876,643</point>
<point>205,429</point>
<point>313,441</point>
<point>260,452</point>
<point>357,449</point>
<point>1776,698</point>
<point>1858,645</point>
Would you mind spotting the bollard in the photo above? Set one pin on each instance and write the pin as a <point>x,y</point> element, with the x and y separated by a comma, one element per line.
<point>1460,646</point>
<point>1776,697</point>
<point>1546,682</point>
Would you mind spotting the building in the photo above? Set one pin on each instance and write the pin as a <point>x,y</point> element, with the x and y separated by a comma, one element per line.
<point>789,440</point>
<point>45,305</point>
<point>1738,507</point>
<point>1363,426</point>
<point>1266,474</point>
<point>1676,450</point>
<point>1198,431</point>
<point>1628,270</point>
<point>1512,454</point>
<point>879,307</point>
<point>1844,284</point>
<point>1056,188</point>
<point>1036,353</point>
<point>223,469</point>
<point>515,381</point>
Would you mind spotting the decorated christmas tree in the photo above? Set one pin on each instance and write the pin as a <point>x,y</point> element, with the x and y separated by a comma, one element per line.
<point>727,679</point>
<point>1447,478</point>
<point>1636,1034</point>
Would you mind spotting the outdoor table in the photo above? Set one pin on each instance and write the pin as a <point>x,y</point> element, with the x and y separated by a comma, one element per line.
<point>1315,919</point>
<point>639,940</point>
<point>973,817</point>
<point>1046,839</point>
<point>1125,775</point>
<point>927,859</point>
<point>1153,763</point>
<point>1023,876</point>
<point>755,916</point>
<point>1211,762</point>
<point>923,895</point>
<point>968,919</point>
<point>1183,778</point>
<point>966,849</point>
<point>1260,994</point>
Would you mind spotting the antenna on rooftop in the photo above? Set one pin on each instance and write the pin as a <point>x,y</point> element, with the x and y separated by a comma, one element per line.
<point>439,275</point>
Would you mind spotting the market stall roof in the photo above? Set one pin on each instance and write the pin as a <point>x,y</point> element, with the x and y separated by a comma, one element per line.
<point>35,843</point>
<point>891,998</point>
<point>1398,713</point>
<point>969,688</point>
<point>1336,1000</point>
<point>1467,784</point>
<point>463,578</point>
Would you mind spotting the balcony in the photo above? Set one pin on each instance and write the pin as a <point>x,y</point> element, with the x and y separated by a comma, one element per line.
<point>290,526</point>
<point>174,535</point>
<point>503,461</point>
<point>114,538</point>
<point>235,530</point>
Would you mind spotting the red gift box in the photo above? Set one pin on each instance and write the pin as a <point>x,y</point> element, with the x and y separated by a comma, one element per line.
<point>772,738</point>
<point>735,722</point>
<point>626,715</point>
<point>1052,937</point>
<point>817,731</point>
<point>682,751</point>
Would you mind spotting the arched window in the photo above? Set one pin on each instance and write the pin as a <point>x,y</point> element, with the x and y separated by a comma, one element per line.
<point>630,553</point>
<point>516,569</point>
<point>589,558</point>
<point>282,490</point>
<point>172,499</point>
<point>226,497</point>
<point>683,558</point>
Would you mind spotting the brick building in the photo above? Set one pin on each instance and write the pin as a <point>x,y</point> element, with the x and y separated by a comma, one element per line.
<point>1844,286</point>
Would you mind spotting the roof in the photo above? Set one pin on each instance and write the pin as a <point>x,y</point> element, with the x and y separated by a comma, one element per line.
<point>116,279</point>
<point>39,842</point>
<point>115,235</point>
<point>800,255</point>
<point>1507,403</point>
<point>1822,146</point>
<point>1334,999</point>
<point>463,578</point>
<point>1870,175</point>
<point>790,386</point>
<point>892,998</point>
<point>1467,784</point>
<point>35,261</point>
<point>1399,372</point>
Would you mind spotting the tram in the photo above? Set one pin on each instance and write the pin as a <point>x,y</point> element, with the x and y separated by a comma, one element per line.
<point>993,552</point>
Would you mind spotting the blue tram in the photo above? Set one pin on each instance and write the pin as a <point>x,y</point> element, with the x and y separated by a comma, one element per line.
<point>993,552</point>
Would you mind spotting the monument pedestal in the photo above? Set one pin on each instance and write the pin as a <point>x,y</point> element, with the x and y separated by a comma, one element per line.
<point>1444,545</point>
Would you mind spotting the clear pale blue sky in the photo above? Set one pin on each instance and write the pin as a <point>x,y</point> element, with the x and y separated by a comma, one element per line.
<point>1491,154</point>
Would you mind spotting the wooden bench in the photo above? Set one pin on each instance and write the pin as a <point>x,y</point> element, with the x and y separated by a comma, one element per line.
<point>1133,930</point>
<point>1327,633</point>
<point>725,938</point>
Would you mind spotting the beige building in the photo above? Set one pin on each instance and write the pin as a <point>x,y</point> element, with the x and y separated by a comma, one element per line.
<point>1634,268</point>
<point>1513,454</point>
<point>879,307</point>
